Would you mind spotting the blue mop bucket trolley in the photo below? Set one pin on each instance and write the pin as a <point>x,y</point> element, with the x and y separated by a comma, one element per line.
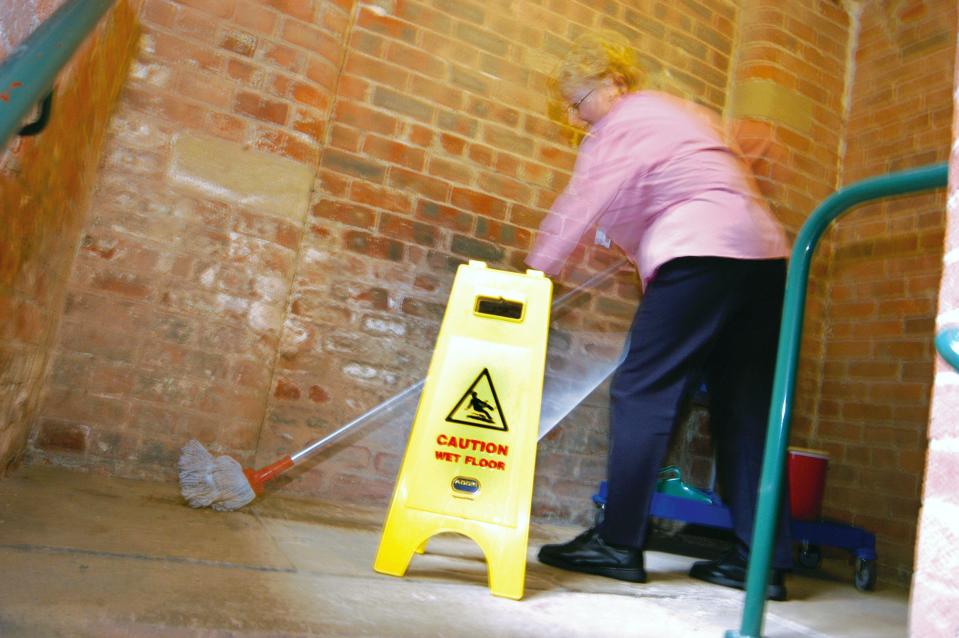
<point>675,500</point>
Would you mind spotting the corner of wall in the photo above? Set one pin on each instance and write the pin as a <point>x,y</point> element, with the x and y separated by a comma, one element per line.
<point>45,184</point>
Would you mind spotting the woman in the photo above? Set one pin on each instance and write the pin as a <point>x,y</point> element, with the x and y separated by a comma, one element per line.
<point>655,174</point>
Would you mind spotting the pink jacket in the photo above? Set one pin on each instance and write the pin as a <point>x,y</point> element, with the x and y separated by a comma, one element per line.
<point>658,178</point>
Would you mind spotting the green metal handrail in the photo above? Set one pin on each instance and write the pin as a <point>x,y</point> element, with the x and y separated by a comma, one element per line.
<point>27,75</point>
<point>787,362</point>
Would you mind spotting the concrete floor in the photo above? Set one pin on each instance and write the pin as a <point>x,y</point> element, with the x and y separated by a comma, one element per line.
<point>84,555</point>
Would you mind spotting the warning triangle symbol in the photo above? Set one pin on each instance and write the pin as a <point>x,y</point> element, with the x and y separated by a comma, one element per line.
<point>479,406</point>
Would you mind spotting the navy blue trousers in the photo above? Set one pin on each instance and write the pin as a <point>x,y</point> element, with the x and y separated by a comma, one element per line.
<point>701,318</point>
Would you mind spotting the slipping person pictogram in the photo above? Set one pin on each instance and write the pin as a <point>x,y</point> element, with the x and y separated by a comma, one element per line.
<point>479,406</point>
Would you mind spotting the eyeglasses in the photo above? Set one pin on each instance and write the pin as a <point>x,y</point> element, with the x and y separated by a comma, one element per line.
<point>581,100</point>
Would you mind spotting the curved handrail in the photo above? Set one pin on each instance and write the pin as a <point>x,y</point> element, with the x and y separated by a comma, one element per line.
<point>27,75</point>
<point>787,362</point>
<point>947,345</point>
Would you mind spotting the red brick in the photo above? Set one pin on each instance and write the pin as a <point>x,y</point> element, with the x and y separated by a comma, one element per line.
<point>508,165</point>
<point>309,95</point>
<point>505,187</point>
<point>312,39</point>
<point>313,124</point>
<point>336,22</point>
<point>416,60</point>
<point>160,12</point>
<point>436,92</point>
<point>59,435</point>
<point>479,203</point>
<point>209,90</point>
<point>527,217</point>
<point>452,145</point>
<point>301,9</point>
<point>494,111</point>
<point>445,216</point>
<point>424,17</point>
<point>122,283</point>
<point>481,155</point>
<point>175,50</point>
<point>378,197</point>
<point>353,165</point>
<point>256,18</point>
<point>420,135</point>
<point>359,296</point>
<point>351,214</point>
<point>197,26</point>
<point>368,43</point>
<point>318,394</point>
<point>394,152</point>
<point>286,389</point>
<point>261,108</point>
<point>242,71</point>
<point>285,57</point>
<point>333,183</point>
<point>557,157</point>
<point>345,138</point>
<point>363,118</point>
<point>294,147</point>
<point>504,234</point>
<point>407,230</point>
<point>429,187</point>
<point>368,68</point>
<point>226,126</point>
<point>374,246</point>
<point>386,25</point>
<point>219,8</point>
<point>451,171</point>
<point>457,123</point>
<point>320,70</point>
<point>238,42</point>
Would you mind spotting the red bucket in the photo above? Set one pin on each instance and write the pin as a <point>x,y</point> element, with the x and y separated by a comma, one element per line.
<point>807,480</point>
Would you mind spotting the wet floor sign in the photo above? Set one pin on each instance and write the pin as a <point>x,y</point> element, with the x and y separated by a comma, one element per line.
<point>470,458</point>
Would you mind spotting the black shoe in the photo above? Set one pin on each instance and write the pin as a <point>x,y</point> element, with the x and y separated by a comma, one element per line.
<point>590,554</point>
<point>730,571</point>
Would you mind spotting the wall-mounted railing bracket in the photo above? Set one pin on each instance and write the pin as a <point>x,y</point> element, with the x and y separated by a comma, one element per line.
<point>43,118</point>
<point>27,75</point>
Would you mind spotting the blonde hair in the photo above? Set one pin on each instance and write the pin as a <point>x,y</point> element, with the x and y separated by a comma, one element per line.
<point>592,57</point>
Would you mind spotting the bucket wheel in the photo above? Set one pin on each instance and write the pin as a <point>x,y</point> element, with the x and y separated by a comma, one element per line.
<point>810,556</point>
<point>865,579</point>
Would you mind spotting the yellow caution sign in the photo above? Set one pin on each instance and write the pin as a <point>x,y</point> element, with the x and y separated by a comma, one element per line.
<point>471,454</point>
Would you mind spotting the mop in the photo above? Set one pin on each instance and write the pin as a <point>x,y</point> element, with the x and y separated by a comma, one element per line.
<point>224,485</point>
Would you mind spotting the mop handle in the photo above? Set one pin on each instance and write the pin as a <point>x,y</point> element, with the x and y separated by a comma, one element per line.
<point>382,407</point>
<point>415,388</point>
<point>598,278</point>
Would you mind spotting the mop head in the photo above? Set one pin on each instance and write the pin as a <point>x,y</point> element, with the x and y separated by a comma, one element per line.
<point>218,482</point>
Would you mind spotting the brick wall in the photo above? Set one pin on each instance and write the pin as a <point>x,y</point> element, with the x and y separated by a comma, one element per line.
<point>883,279</point>
<point>177,300</point>
<point>195,311</point>
<point>430,141</point>
<point>19,19</point>
<point>933,611</point>
<point>440,150</point>
<point>44,184</point>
